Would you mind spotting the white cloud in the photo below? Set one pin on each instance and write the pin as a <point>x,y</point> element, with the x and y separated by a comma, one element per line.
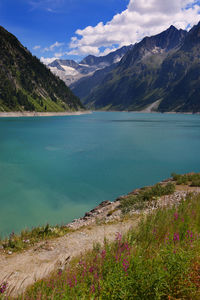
<point>36,47</point>
<point>141,18</point>
<point>84,50</point>
<point>47,60</point>
<point>108,50</point>
<point>59,54</point>
<point>48,5</point>
<point>51,48</point>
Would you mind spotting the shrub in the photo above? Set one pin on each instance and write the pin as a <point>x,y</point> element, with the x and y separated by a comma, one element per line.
<point>145,196</point>
<point>192,179</point>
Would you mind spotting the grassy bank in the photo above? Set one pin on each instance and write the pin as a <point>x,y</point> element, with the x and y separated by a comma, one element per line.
<point>28,238</point>
<point>159,260</point>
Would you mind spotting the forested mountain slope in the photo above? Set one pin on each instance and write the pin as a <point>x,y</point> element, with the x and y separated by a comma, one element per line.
<point>26,84</point>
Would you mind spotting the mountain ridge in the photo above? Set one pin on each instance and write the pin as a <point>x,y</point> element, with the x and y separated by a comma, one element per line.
<point>133,82</point>
<point>163,69</point>
<point>70,71</point>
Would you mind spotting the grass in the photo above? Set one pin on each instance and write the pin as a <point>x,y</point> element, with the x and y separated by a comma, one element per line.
<point>27,238</point>
<point>144,196</point>
<point>158,260</point>
<point>192,179</point>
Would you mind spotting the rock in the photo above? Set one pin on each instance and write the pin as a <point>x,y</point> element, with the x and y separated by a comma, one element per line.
<point>88,214</point>
<point>104,203</point>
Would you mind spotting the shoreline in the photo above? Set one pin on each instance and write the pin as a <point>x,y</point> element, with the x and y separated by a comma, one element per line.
<point>17,114</point>
<point>150,112</point>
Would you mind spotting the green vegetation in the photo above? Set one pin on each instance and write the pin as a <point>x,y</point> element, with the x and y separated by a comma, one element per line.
<point>27,84</point>
<point>28,238</point>
<point>192,179</point>
<point>144,196</point>
<point>160,259</point>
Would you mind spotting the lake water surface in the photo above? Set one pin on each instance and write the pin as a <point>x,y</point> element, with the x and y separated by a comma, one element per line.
<point>54,169</point>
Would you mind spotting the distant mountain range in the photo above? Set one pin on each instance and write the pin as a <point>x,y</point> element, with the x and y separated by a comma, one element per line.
<point>26,84</point>
<point>160,73</point>
<point>70,71</point>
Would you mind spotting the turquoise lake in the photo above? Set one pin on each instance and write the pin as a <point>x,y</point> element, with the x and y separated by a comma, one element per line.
<point>54,169</point>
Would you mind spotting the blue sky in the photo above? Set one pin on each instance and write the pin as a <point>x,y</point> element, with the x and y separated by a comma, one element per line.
<point>76,28</point>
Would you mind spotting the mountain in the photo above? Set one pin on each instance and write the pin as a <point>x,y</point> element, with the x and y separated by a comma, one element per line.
<point>71,71</point>
<point>107,60</point>
<point>179,76</point>
<point>83,87</point>
<point>26,84</point>
<point>136,81</point>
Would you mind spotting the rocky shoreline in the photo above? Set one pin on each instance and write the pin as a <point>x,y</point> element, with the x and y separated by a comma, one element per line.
<point>105,212</point>
<point>108,211</point>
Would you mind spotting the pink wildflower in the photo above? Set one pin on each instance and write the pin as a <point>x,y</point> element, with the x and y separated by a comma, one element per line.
<point>93,288</point>
<point>75,279</point>
<point>176,216</point>
<point>125,265</point>
<point>176,237</point>
<point>103,254</point>
<point>3,287</point>
<point>91,269</point>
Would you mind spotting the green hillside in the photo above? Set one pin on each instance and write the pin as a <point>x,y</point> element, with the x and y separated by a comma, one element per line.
<point>26,84</point>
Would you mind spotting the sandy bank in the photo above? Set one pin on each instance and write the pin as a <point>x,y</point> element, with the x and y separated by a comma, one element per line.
<point>42,114</point>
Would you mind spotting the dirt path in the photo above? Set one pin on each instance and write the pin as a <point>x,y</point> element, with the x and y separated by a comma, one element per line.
<point>22,269</point>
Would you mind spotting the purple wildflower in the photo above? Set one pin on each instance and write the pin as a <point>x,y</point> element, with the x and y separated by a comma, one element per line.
<point>3,287</point>
<point>125,265</point>
<point>176,216</point>
<point>75,279</point>
<point>91,269</point>
<point>176,237</point>
<point>93,288</point>
<point>103,254</point>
